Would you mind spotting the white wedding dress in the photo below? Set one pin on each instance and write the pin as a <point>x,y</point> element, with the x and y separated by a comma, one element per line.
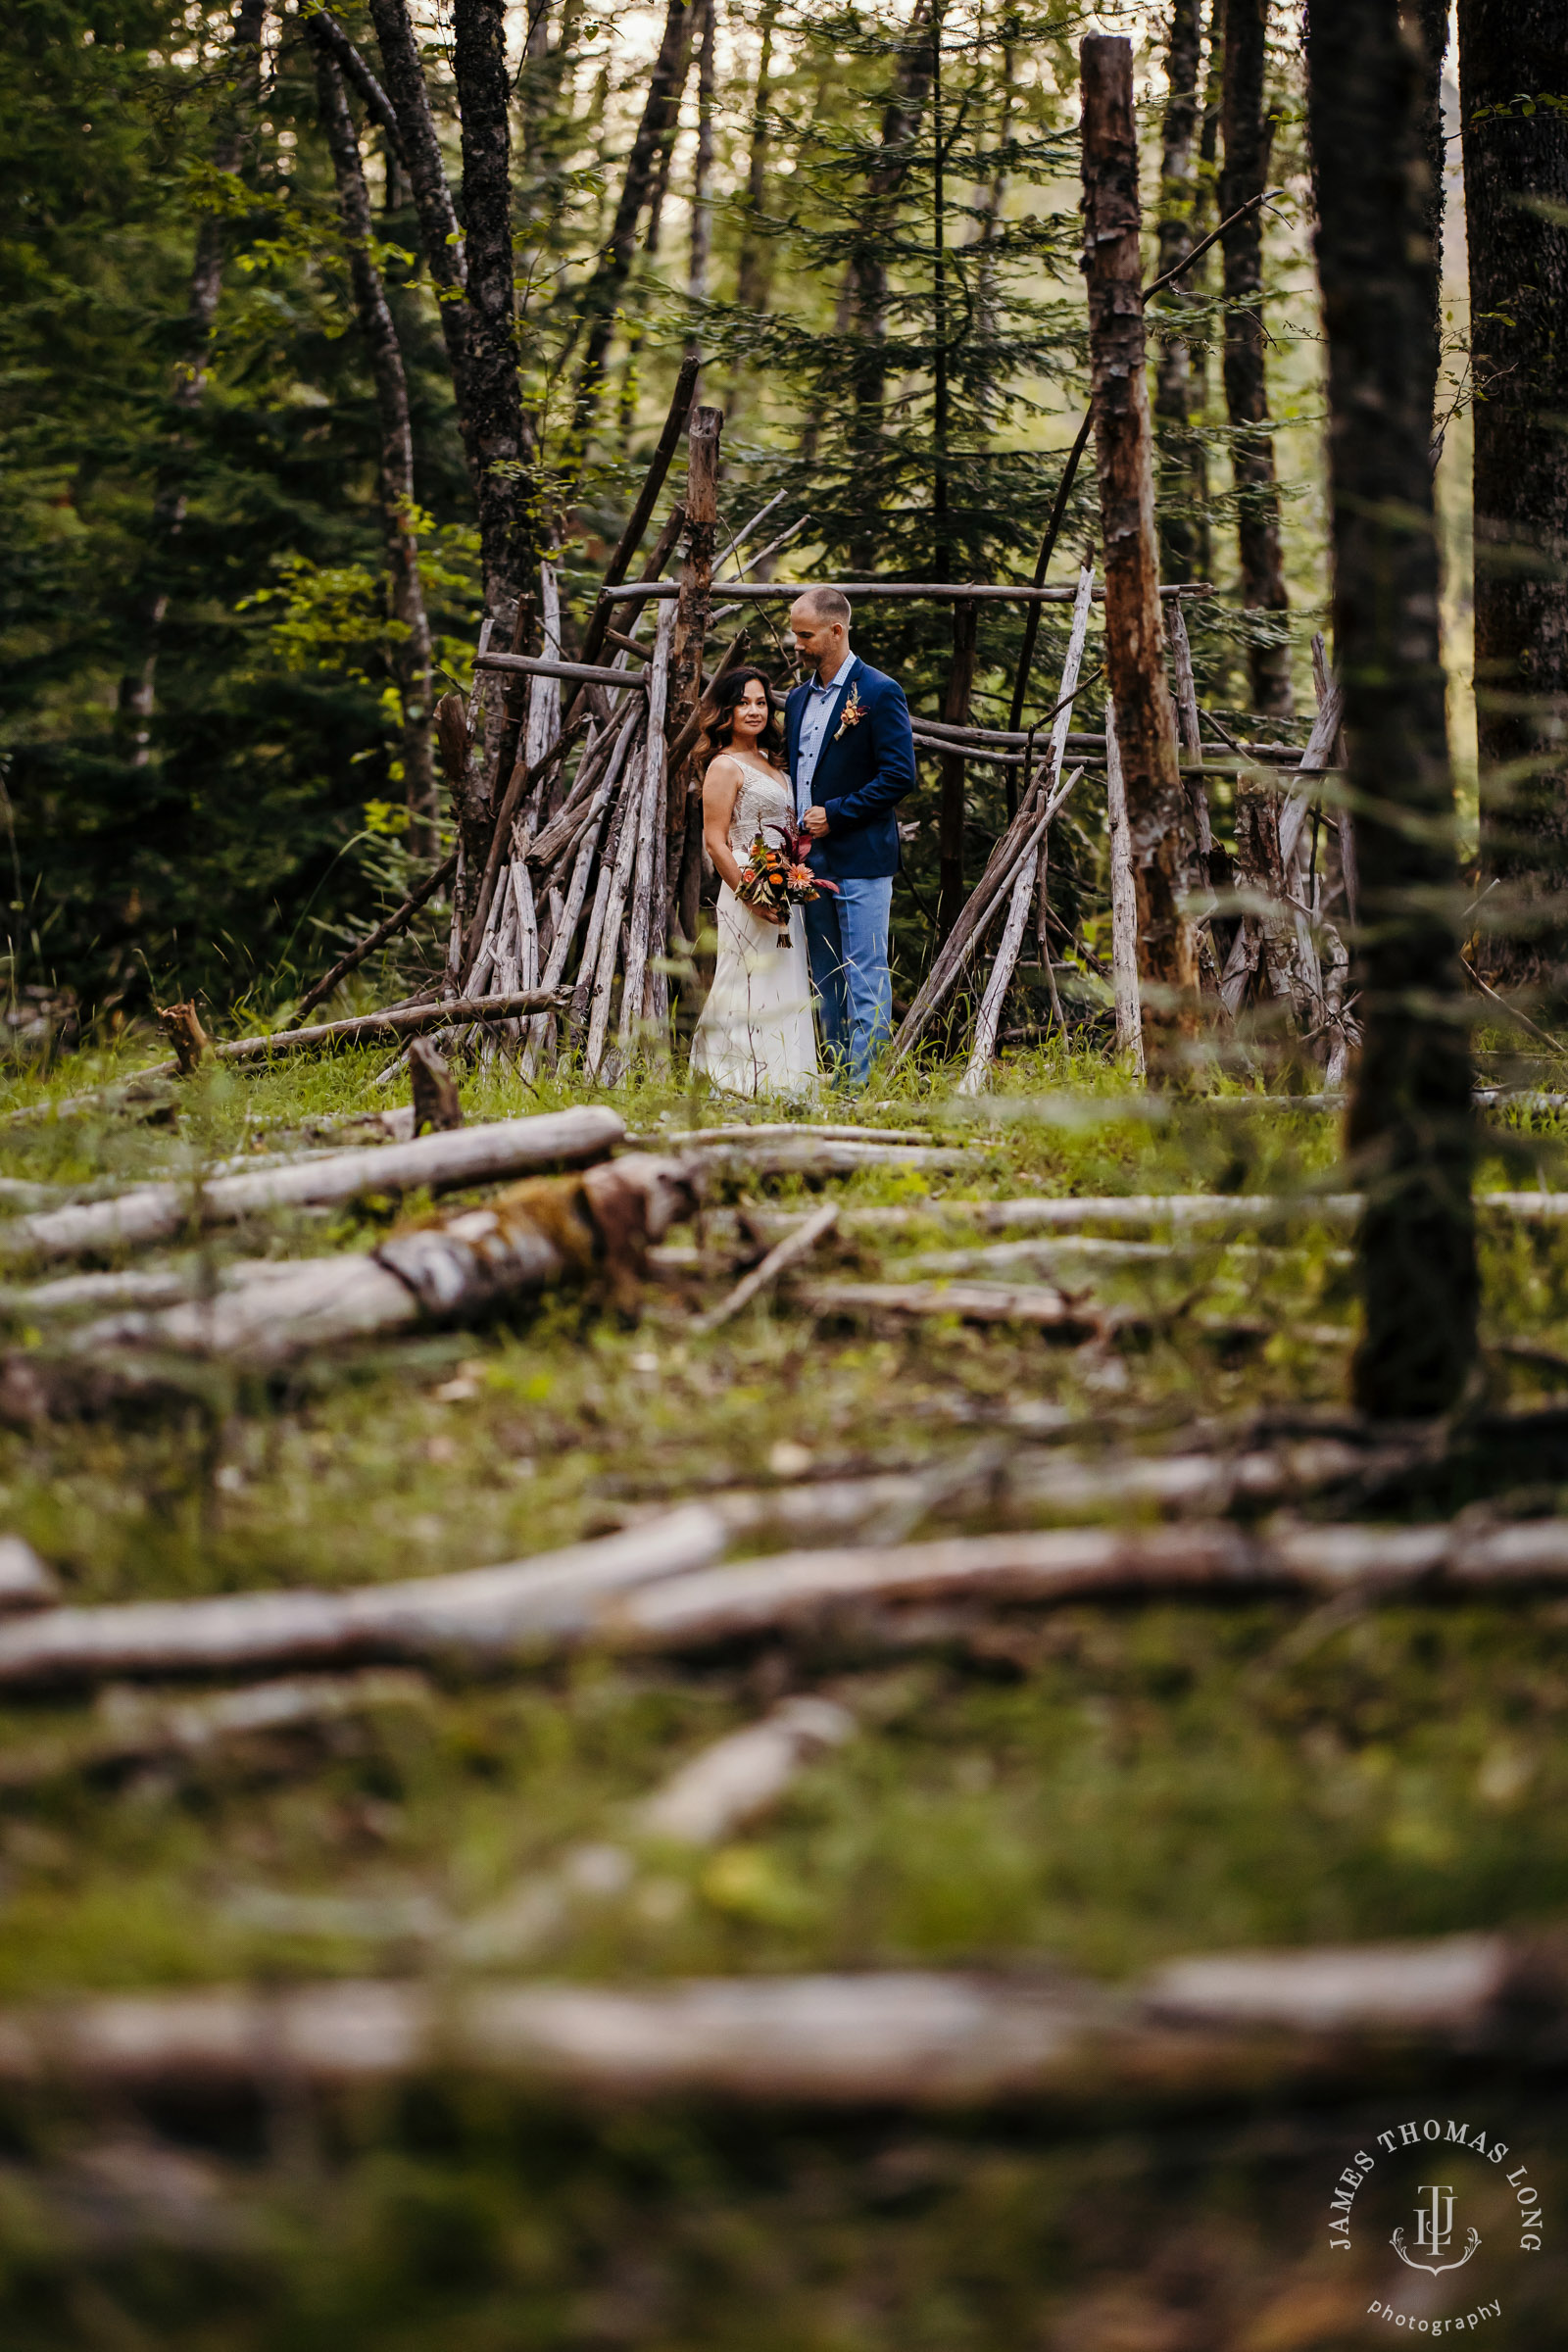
<point>754,1036</point>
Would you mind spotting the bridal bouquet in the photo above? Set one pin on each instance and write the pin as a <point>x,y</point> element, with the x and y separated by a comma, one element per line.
<point>776,877</point>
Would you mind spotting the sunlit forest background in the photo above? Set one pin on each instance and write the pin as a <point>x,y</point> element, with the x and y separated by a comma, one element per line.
<point>250,808</point>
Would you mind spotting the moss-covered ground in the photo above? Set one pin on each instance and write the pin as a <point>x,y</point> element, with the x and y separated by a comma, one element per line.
<point>1102,1787</point>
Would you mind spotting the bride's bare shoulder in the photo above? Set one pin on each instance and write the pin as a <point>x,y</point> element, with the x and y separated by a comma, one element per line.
<point>725,768</point>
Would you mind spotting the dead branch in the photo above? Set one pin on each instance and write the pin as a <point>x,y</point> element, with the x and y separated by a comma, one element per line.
<point>395,922</point>
<point>737,1778</point>
<point>789,1252</point>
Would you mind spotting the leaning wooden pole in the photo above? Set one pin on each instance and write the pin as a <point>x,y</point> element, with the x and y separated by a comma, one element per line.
<point>1158,816</point>
<point>1410,1120</point>
<point>683,804</point>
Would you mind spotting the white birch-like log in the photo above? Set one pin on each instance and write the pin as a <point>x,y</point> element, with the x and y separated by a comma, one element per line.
<point>477,1613</point>
<point>273,1313</point>
<point>988,1023</point>
<point>610,943</point>
<point>1123,905</point>
<point>544,694</point>
<point>650,825</point>
<point>1034,874</point>
<point>483,1155</point>
<point>1223,2026</point>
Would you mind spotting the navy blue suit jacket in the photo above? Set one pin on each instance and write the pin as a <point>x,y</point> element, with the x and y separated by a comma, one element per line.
<point>862,772</point>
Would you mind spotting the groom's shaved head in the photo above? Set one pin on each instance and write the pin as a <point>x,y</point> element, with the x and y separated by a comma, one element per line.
<point>826,604</point>
<point>819,623</point>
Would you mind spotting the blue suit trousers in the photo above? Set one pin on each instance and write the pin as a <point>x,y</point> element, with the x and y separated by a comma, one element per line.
<point>847,943</point>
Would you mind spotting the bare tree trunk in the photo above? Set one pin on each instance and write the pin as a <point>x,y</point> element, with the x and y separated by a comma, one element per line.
<point>509,525</point>
<point>1516,204</point>
<point>1158,816</point>
<point>751,273</point>
<point>445,255</point>
<point>138,685</point>
<point>597,303</point>
<point>1410,1119</point>
<point>1425,25</point>
<point>412,654</point>
<point>702,179</point>
<point>949,818</point>
<point>1247,139</point>
<point>1182,474</point>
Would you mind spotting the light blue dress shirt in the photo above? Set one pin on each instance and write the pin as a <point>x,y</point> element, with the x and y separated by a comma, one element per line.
<point>813,730</point>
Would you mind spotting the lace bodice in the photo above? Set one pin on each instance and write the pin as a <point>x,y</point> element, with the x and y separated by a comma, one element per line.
<point>763,802</point>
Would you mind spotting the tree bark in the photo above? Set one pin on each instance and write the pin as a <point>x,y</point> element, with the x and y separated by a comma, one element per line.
<point>751,273</point>
<point>1516,204</point>
<point>411,659</point>
<point>701,179</point>
<point>1426,24</point>
<point>445,255</point>
<point>1158,821</point>
<point>1409,1121</point>
<point>509,525</point>
<point>1183,473</point>
<point>1248,137</point>
<point>684,791</point>
<point>597,303</point>
<point>150,605</point>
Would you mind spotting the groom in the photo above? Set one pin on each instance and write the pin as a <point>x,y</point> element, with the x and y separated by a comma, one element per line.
<point>851,761</point>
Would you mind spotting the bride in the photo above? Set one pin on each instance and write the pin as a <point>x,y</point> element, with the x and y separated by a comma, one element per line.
<point>754,1036</point>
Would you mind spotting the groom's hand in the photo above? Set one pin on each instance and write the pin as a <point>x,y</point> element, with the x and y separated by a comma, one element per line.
<point>815,821</point>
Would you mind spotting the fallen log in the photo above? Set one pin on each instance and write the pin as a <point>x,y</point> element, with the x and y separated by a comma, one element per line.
<point>656,1589</point>
<point>378,1028</point>
<point>1036,1305</point>
<point>154,1213</point>
<point>818,1156</point>
<point>795,1592</point>
<point>478,1614</point>
<point>584,673</point>
<point>1225,2025</point>
<point>593,1229</point>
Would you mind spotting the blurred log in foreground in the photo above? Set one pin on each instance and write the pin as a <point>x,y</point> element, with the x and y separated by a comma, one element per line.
<point>1223,2026</point>
<point>657,1588</point>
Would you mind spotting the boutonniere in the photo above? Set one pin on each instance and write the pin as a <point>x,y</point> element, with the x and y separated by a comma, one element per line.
<point>853,712</point>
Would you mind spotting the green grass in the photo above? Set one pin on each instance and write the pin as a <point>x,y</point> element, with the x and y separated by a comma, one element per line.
<point>1100,1789</point>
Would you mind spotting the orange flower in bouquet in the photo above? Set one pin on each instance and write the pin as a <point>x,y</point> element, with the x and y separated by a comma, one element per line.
<point>775,879</point>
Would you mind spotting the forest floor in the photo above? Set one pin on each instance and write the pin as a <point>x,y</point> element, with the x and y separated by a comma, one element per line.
<point>1097,1787</point>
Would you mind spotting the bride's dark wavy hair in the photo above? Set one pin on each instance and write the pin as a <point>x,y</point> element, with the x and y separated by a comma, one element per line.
<point>718,711</point>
